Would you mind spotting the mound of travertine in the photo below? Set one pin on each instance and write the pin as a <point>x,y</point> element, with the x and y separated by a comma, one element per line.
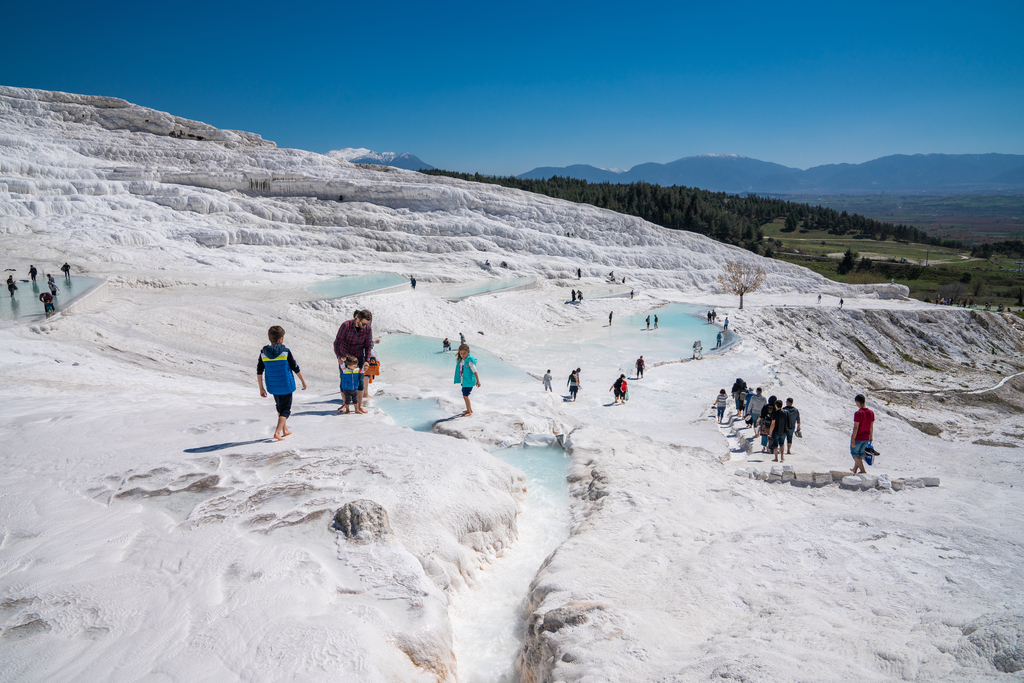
<point>787,474</point>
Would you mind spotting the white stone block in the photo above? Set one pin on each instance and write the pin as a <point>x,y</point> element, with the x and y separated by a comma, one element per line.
<point>913,483</point>
<point>743,473</point>
<point>930,481</point>
<point>868,481</point>
<point>762,475</point>
<point>884,482</point>
<point>852,481</point>
<point>788,468</point>
<point>821,478</point>
<point>899,484</point>
<point>776,470</point>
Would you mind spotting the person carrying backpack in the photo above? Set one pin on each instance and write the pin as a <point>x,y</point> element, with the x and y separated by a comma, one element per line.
<point>793,425</point>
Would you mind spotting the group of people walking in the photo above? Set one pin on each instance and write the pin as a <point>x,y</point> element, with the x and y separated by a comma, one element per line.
<point>776,423</point>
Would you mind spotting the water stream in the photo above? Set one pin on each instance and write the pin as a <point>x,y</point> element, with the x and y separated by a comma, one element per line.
<point>490,619</point>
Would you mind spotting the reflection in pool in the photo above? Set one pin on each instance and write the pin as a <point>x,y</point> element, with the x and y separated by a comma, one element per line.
<point>475,288</point>
<point>350,285</point>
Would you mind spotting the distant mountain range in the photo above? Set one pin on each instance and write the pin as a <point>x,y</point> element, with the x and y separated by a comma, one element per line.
<point>365,156</point>
<point>937,173</point>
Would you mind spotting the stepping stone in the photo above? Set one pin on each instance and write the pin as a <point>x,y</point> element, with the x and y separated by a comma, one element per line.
<point>851,481</point>
<point>930,481</point>
<point>822,478</point>
<point>868,481</point>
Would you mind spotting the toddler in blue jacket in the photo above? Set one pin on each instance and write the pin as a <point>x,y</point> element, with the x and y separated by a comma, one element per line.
<point>277,362</point>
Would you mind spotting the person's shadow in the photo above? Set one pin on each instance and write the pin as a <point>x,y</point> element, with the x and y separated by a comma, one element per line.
<point>222,446</point>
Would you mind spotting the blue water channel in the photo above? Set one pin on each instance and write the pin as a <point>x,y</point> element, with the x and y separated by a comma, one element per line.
<point>475,288</point>
<point>489,627</point>
<point>351,285</point>
<point>26,304</point>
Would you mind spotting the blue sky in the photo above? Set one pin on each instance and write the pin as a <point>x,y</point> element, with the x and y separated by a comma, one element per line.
<point>504,87</point>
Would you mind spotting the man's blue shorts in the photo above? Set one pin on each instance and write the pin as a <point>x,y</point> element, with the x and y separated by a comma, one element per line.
<point>857,449</point>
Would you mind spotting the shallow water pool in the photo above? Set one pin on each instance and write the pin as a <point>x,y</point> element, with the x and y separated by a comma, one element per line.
<point>426,354</point>
<point>419,414</point>
<point>350,285</point>
<point>476,288</point>
<point>628,337</point>
<point>26,303</point>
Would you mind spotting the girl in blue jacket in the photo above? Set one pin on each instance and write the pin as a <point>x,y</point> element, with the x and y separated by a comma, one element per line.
<point>466,375</point>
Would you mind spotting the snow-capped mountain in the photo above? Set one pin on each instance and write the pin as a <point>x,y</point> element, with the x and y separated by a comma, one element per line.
<point>361,155</point>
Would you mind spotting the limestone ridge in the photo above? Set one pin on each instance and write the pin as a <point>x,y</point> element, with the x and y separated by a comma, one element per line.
<point>78,160</point>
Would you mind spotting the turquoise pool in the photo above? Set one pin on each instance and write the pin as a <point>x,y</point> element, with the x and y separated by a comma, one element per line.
<point>26,304</point>
<point>476,288</point>
<point>350,285</point>
<point>679,325</point>
<point>425,353</point>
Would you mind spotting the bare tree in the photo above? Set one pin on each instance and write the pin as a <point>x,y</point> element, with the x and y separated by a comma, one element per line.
<point>741,279</point>
<point>952,290</point>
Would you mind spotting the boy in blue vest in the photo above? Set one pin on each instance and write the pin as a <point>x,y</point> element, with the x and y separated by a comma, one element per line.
<point>351,383</point>
<point>278,364</point>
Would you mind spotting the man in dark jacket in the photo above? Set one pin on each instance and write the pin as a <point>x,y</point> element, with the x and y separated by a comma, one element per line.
<point>739,392</point>
<point>794,424</point>
<point>780,422</point>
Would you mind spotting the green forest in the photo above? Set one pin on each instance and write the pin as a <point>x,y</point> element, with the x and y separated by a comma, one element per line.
<point>733,219</point>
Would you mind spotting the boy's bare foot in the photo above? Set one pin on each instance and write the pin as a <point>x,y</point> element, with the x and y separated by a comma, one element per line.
<point>362,412</point>
<point>279,438</point>
<point>286,432</point>
<point>775,460</point>
<point>342,410</point>
<point>783,460</point>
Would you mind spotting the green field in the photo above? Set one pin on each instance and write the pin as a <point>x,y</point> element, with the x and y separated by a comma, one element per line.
<point>971,218</point>
<point>927,268</point>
